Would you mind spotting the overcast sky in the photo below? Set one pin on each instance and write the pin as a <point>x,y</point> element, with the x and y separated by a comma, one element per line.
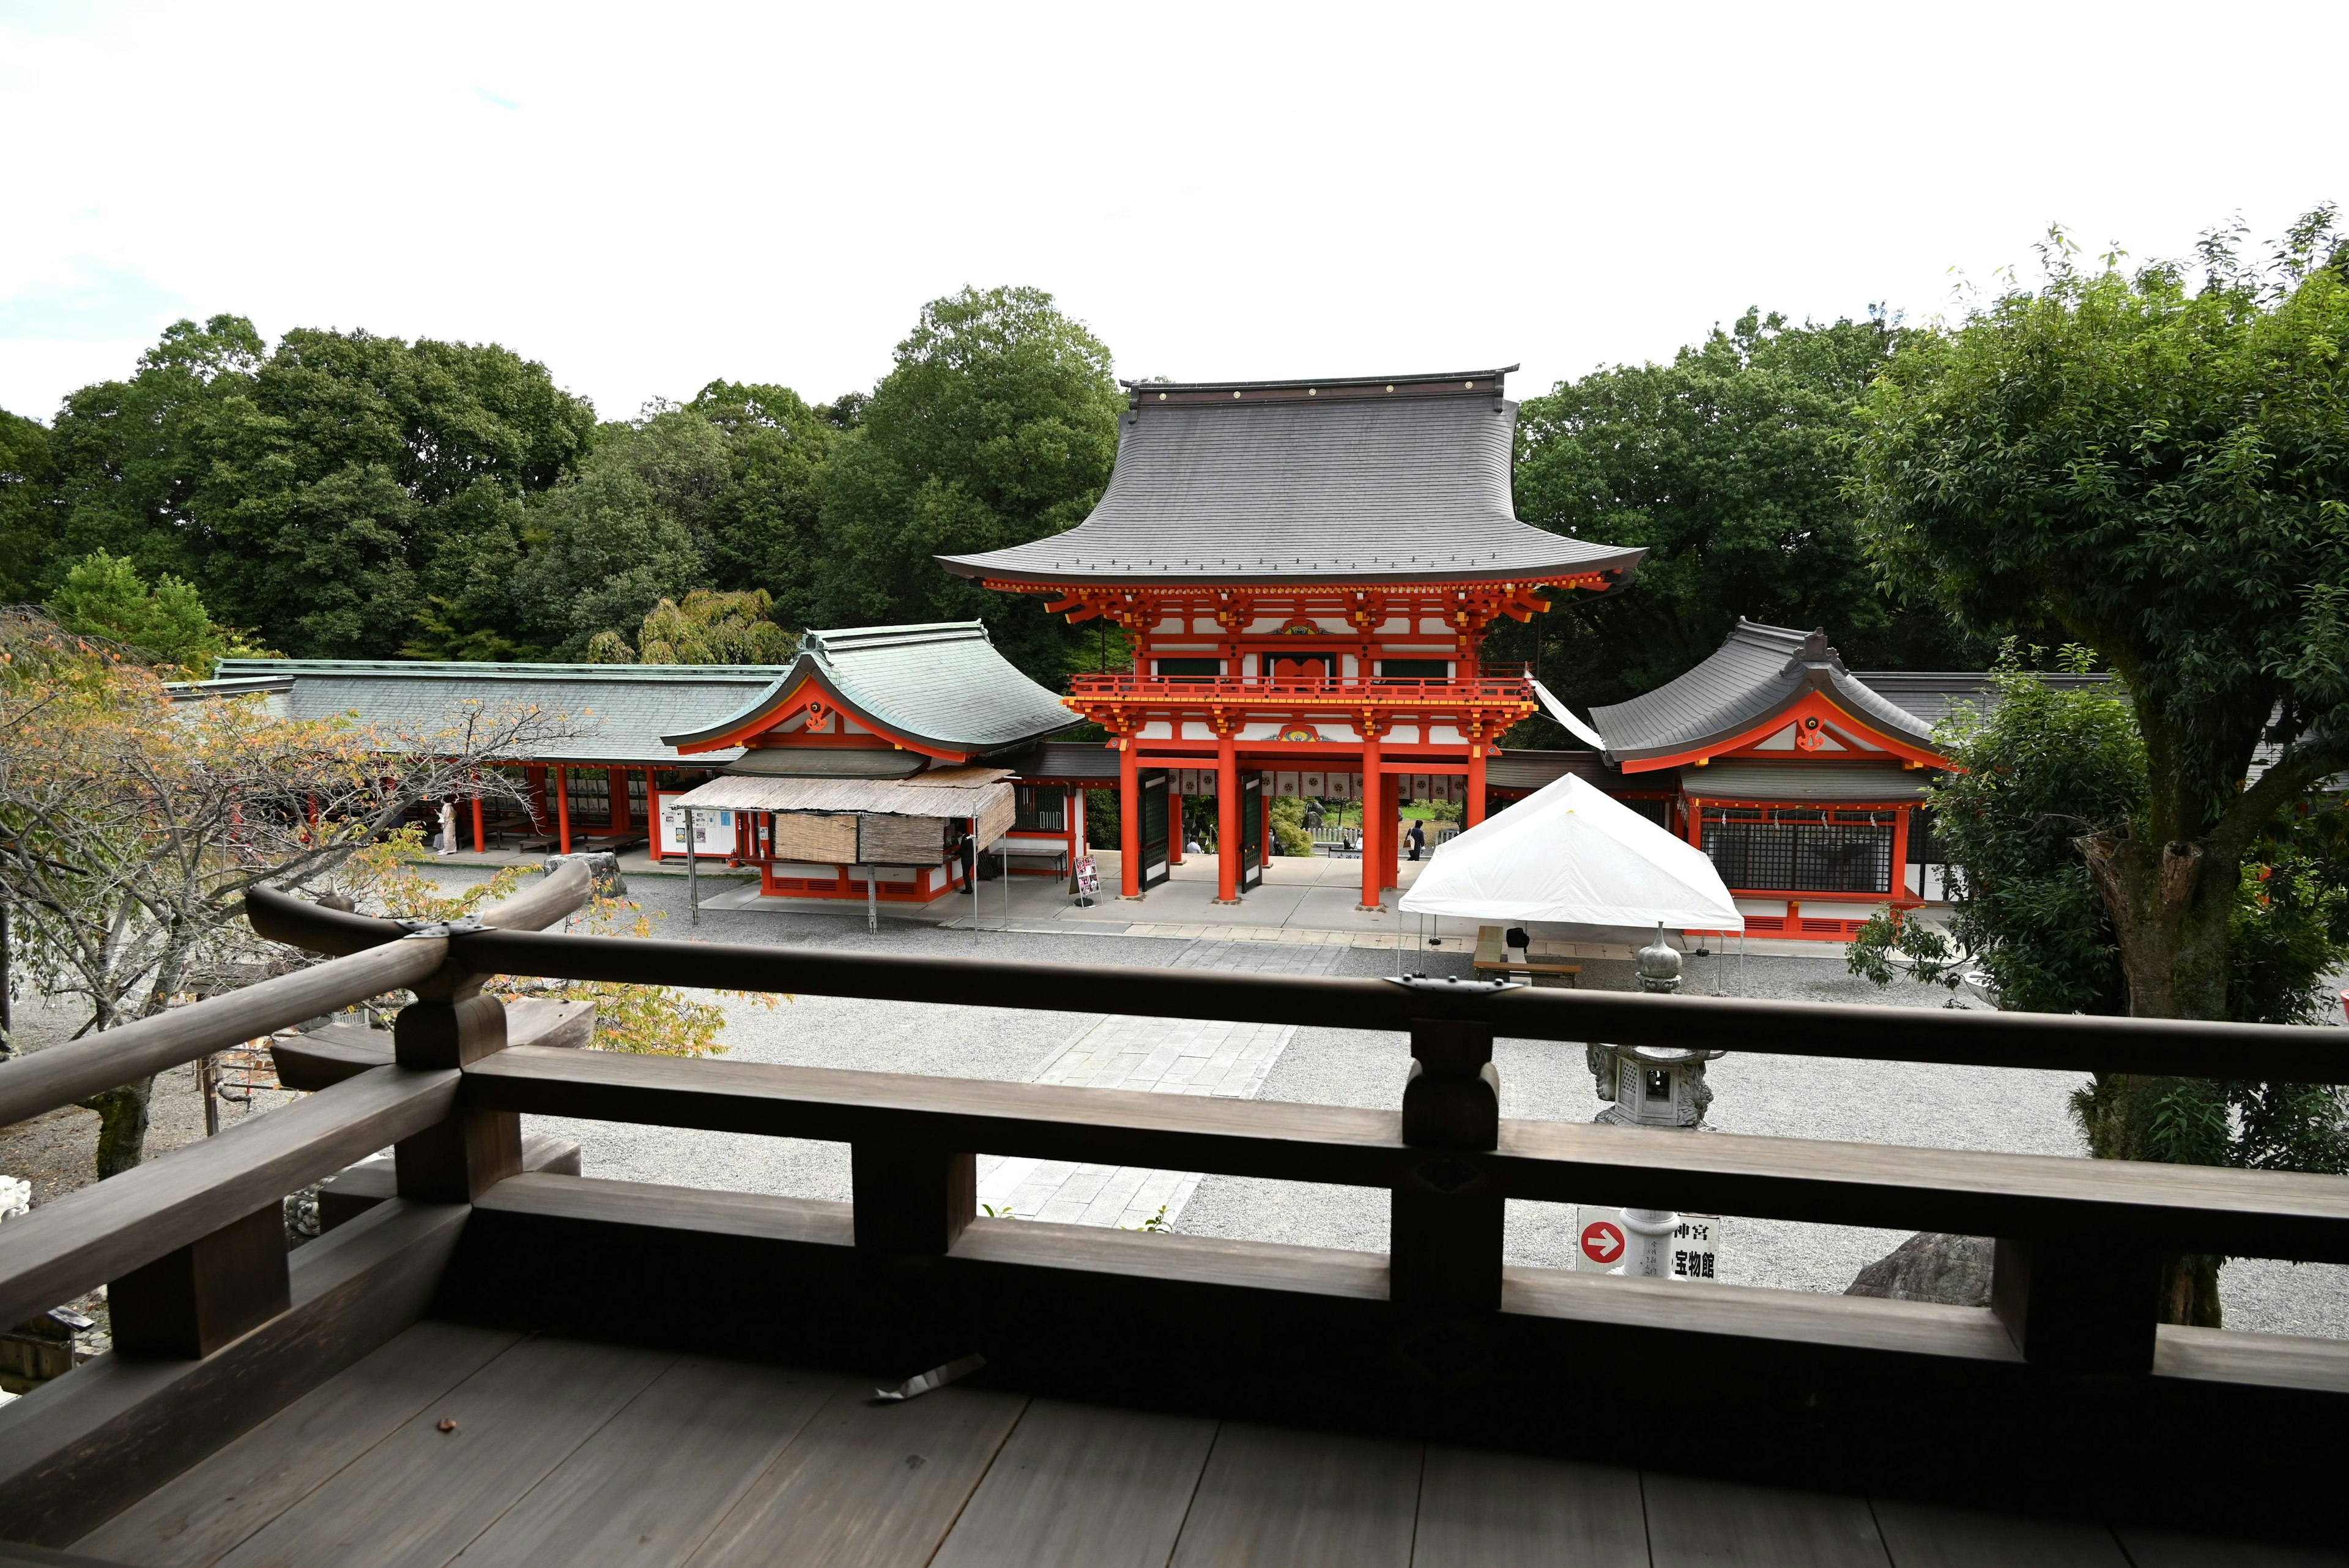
<point>649,197</point>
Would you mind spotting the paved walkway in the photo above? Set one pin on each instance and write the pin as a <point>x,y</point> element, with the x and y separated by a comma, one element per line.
<point>1161,1055</point>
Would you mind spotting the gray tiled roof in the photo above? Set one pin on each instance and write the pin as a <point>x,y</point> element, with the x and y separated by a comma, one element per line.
<point>1930,694</point>
<point>1349,485</point>
<point>941,684</point>
<point>616,713</point>
<point>1758,672</point>
<point>1068,760</point>
<point>1822,783</point>
<point>1527,768</point>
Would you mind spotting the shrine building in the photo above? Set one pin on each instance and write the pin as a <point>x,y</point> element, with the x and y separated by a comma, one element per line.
<point>1307,571</point>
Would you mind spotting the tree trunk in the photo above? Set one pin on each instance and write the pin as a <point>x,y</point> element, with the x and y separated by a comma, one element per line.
<point>2173,909</point>
<point>122,1125</point>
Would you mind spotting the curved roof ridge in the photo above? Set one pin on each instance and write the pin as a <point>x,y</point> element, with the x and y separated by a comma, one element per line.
<point>1757,671</point>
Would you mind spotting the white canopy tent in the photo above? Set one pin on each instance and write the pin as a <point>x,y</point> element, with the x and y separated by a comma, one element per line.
<point>1572,856</point>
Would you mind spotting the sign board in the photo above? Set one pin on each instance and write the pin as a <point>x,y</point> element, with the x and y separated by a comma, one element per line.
<point>1696,1247</point>
<point>1692,1251</point>
<point>713,830</point>
<point>1088,876</point>
<point>1598,1243</point>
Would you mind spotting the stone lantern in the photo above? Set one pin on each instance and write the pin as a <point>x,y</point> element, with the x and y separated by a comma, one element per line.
<point>1652,1086</point>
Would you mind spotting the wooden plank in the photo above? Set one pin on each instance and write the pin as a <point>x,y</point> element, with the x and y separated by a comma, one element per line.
<point>1693,1522</point>
<point>1177,1259</point>
<point>324,1057</point>
<point>108,1228</point>
<point>2162,1549</point>
<point>194,1520</point>
<point>357,1188</point>
<point>648,1488</point>
<point>194,1299</point>
<point>1079,1486</point>
<point>595,1200</point>
<point>75,1451</point>
<point>1875,1033</point>
<point>1800,1317</point>
<point>866,1483</point>
<point>62,1074</point>
<point>1482,1509</point>
<point>14,1555</point>
<point>2273,1360</point>
<point>1287,1499</point>
<point>422,1494</point>
<point>1919,1535</point>
<point>2280,1214</point>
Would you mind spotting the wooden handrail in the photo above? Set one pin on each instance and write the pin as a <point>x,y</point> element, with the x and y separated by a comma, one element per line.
<point>110,1228</point>
<point>2031,1040</point>
<point>383,956</point>
<point>2277,1214</point>
<point>63,1074</point>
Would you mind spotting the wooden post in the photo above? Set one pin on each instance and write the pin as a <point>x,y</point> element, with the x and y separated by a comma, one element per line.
<point>480,836</point>
<point>189,1303</point>
<point>1900,856</point>
<point>653,813</point>
<point>1391,790</point>
<point>1370,792</point>
<point>910,1198</point>
<point>1227,819</point>
<point>563,810</point>
<point>1476,812</point>
<point>1173,821</point>
<point>1264,828</point>
<point>2078,1303</point>
<point>619,777</point>
<point>1445,1225</point>
<point>450,1023</point>
<point>1129,820</point>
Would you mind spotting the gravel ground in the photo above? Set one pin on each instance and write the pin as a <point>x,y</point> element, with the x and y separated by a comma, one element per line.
<point>1873,1102</point>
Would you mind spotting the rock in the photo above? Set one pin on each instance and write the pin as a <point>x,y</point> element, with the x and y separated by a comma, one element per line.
<point>602,865</point>
<point>1930,1267</point>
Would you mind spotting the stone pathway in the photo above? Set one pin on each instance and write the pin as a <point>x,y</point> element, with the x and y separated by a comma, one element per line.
<point>1161,1055</point>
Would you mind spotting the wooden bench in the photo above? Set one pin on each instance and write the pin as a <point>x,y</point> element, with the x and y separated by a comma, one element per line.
<point>1493,959</point>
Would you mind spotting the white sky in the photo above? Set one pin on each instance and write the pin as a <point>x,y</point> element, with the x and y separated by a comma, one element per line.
<point>648,197</point>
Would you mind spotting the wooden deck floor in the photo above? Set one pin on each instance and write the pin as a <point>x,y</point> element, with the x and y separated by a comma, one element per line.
<point>566,1452</point>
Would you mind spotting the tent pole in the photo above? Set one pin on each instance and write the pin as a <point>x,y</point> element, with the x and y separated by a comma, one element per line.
<point>692,878</point>
<point>872,900</point>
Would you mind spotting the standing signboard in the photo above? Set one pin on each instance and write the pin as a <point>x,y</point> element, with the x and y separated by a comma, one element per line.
<point>1601,1242</point>
<point>713,830</point>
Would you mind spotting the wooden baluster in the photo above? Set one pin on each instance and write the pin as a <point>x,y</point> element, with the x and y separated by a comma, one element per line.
<point>2078,1303</point>
<point>911,1198</point>
<point>1445,1238</point>
<point>189,1303</point>
<point>448,1024</point>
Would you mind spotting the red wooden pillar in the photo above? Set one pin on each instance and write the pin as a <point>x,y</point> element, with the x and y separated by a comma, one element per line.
<point>481,838</point>
<point>1476,812</point>
<point>653,814</point>
<point>619,777</point>
<point>1174,822</point>
<point>1371,795</point>
<point>1392,831</point>
<point>563,811</point>
<point>1900,856</point>
<point>1129,820</point>
<point>539,812</point>
<point>1264,828</point>
<point>1227,819</point>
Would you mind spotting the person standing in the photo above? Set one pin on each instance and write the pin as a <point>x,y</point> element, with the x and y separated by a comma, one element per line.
<point>1417,837</point>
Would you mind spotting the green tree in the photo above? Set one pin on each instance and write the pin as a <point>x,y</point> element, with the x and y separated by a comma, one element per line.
<point>2162,467</point>
<point>707,628</point>
<point>1728,465</point>
<point>29,505</point>
<point>997,425</point>
<point>760,530</point>
<point>607,544</point>
<point>333,491</point>
<point>103,596</point>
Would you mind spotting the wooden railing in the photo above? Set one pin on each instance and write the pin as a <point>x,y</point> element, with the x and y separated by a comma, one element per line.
<point>191,1244</point>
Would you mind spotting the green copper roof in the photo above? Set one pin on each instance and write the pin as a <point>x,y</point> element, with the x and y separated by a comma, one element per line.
<point>941,684</point>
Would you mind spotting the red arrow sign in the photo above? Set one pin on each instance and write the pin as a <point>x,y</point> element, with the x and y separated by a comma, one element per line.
<point>1602,1241</point>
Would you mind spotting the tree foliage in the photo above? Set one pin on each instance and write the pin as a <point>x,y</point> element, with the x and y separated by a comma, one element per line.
<point>2161,465</point>
<point>997,426</point>
<point>1728,466</point>
<point>29,506</point>
<point>707,628</point>
<point>165,625</point>
<point>132,826</point>
<point>326,491</point>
